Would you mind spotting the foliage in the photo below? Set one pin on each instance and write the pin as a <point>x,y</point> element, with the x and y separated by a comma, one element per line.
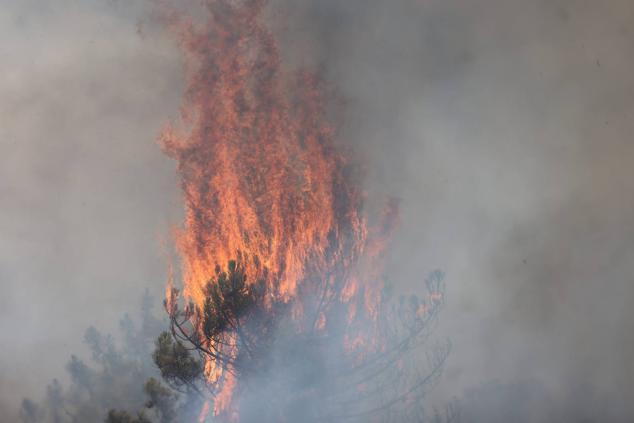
<point>109,379</point>
<point>178,368</point>
<point>287,372</point>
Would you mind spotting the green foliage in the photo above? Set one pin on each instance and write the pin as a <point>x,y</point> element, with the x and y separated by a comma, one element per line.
<point>287,371</point>
<point>162,399</point>
<point>181,398</point>
<point>162,404</point>
<point>175,362</point>
<point>229,299</point>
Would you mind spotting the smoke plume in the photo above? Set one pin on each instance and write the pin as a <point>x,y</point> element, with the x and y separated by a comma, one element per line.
<point>502,126</point>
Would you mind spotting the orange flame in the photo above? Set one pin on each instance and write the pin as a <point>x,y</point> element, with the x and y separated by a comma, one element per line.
<point>261,176</point>
<point>204,412</point>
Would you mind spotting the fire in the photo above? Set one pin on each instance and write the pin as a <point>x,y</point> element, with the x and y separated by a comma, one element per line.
<point>264,183</point>
<point>259,170</point>
<point>204,412</point>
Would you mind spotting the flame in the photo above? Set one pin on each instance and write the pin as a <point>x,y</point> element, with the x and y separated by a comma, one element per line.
<point>204,412</point>
<point>262,177</point>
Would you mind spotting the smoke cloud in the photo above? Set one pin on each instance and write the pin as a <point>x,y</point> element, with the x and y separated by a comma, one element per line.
<point>502,126</point>
<point>86,193</point>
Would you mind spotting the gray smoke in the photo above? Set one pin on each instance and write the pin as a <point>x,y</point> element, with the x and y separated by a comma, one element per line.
<point>504,128</point>
<point>85,192</point>
<point>502,125</point>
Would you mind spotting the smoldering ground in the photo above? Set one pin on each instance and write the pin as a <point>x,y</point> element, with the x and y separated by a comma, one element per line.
<point>503,127</point>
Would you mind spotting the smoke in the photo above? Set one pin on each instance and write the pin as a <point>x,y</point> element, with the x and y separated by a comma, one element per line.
<point>86,193</point>
<point>503,127</point>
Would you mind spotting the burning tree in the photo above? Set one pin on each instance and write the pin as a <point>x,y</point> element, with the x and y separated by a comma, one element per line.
<point>283,298</point>
<point>287,372</point>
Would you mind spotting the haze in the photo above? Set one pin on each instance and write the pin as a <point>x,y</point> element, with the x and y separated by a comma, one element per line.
<point>503,126</point>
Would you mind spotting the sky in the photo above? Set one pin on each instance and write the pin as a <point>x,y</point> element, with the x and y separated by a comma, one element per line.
<point>502,126</point>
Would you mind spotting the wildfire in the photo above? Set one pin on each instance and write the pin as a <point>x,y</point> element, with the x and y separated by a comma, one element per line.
<point>264,183</point>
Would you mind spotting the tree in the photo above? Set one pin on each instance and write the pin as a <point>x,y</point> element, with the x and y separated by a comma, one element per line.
<point>109,379</point>
<point>284,372</point>
<point>296,327</point>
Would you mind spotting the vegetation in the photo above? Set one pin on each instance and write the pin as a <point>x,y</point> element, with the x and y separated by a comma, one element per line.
<point>284,374</point>
<point>112,378</point>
